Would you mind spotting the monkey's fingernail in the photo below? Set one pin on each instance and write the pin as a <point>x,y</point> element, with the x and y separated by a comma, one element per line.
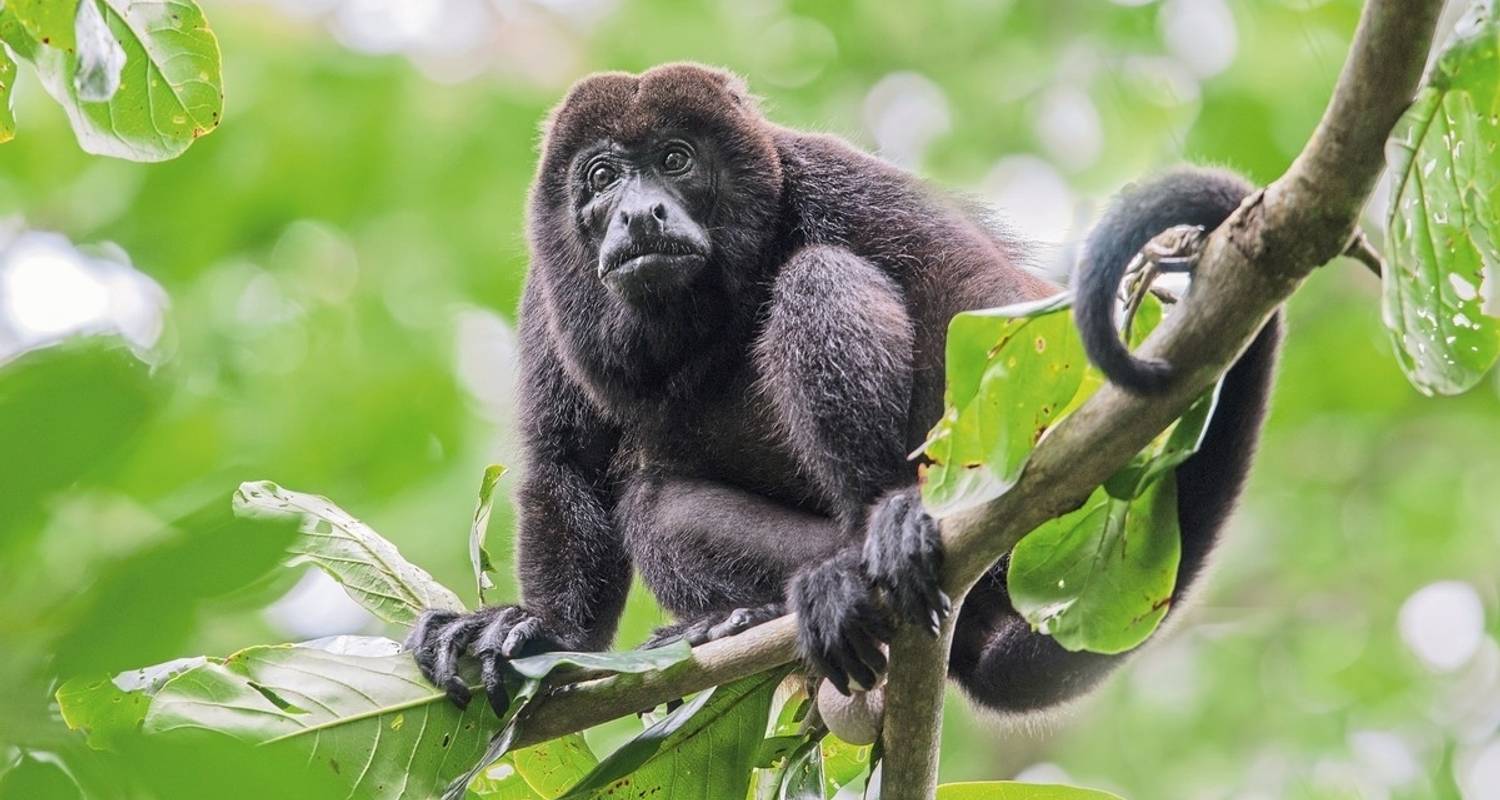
<point>458,692</point>
<point>946,601</point>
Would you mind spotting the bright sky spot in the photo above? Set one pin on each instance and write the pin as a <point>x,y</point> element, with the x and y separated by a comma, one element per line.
<point>1032,197</point>
<point>1443,624</point>
<point>905,112</point>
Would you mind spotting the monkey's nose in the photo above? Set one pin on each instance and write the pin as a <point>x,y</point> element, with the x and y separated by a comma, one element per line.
<point>659,211</point>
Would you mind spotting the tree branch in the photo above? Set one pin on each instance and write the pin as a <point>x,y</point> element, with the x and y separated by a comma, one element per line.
<point>1249,266</point>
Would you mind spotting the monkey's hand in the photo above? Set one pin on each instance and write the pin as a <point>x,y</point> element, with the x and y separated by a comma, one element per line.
<point>903,556</point>
<point>701,630</point>
<point>492,635</point>
<point>842,623</point>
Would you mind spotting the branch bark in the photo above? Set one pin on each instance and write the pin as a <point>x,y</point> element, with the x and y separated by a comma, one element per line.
<point>1249,266</point>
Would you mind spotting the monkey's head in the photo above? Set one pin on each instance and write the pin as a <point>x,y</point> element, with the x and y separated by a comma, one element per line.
<point>657,185</point>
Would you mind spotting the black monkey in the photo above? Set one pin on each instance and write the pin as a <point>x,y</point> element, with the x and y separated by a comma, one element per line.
<point>732,334</point>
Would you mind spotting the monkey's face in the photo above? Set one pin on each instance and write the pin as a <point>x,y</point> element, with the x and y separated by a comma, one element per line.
<point>644,207</point>
<point>662,191</point>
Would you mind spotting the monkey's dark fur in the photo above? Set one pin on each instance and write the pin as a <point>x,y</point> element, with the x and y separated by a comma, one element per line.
<point>732,335</point>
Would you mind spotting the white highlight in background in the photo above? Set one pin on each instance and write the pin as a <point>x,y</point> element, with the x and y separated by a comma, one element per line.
<point>1443,624</point>
<point>50,290</point>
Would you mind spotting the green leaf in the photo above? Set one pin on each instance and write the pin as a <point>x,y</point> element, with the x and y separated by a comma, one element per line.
<point>501,781</point>
<point>370,721</point>
<point>72,409</point>
<point>1441,289</point>
<point>479,557</point>
<point>532,669</point>
<point>170,90</point>
<point>48,21</point>
<point>1007,790</point>
<point>370,568</point>
<point>801,777</point>
<point>843,763</point>
<point>1101,578</point>
<point>105,709</point>
<point>7,96</point>
<point>704,750</point>
<point>553,767</point>
<point>1011,373</point>
<point>206,554</point>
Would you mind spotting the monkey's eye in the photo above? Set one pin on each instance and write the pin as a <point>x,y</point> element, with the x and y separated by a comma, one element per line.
<point>676,160</point>
<point>601,176</point>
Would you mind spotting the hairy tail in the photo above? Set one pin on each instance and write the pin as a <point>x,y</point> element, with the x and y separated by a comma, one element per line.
<point>1184,196</point>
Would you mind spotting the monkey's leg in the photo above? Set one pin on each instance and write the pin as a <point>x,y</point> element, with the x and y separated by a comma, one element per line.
<point>716,556</point>
<point>1006,666</point>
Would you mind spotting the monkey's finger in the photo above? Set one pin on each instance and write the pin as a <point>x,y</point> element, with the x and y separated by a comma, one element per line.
<point>867,647</point>
<point>490,674</point>
<point>861,676</point>
<point>422,640</point>
<point>453,639</point>
<point>493,636</point>
<point>520,635</point>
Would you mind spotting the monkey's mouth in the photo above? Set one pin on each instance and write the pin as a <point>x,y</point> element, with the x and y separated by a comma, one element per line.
<point>641,271</point>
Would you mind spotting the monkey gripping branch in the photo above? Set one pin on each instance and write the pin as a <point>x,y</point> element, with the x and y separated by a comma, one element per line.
<point>1102,471</point>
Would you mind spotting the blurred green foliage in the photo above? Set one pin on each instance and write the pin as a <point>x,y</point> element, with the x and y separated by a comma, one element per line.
<point>342,254</point>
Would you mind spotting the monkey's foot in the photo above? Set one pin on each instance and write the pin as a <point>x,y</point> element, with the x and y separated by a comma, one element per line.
<point>903,555</point>
<point>493,635</point>
<point>841,622</point>
<point>715,626</point>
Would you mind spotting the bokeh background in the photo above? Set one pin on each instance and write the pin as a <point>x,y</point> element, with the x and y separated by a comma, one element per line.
<point>325,292</point>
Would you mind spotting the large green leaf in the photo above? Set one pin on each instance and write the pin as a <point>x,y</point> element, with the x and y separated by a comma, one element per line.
<point>371,569</point>
<point>203,555</point>
<point>1011,373</point>
<point>1100,578</point>
<point>479,555</point>
<point>355,708</point>
<point>170,90</point>
<point>1007,790</point>
<point>704,750</point>
<point>1441,294</point>
<point>72,409</point>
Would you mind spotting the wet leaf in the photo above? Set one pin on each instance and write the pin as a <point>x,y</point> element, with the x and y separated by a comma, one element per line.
<point>170,90</point>
<point>100,56</point>
<point>368,566</point>
<point>479,556</point>
<point>1441,295</point>
<point>1101,578</point>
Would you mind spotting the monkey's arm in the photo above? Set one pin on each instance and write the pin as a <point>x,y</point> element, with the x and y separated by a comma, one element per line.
<point>572,564</point>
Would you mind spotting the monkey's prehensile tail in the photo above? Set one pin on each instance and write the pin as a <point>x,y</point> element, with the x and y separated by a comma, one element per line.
<point>1183,196</point>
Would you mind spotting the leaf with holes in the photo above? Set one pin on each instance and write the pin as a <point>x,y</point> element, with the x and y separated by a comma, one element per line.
<point>479,556</point>
<point>370,568</point>
<point>1101,578</point>
<point>1011,372</point>
<point>169,92</point>
<point>1441,289</point>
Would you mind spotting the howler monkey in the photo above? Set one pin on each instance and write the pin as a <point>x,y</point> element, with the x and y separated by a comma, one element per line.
<point>731,337</point>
